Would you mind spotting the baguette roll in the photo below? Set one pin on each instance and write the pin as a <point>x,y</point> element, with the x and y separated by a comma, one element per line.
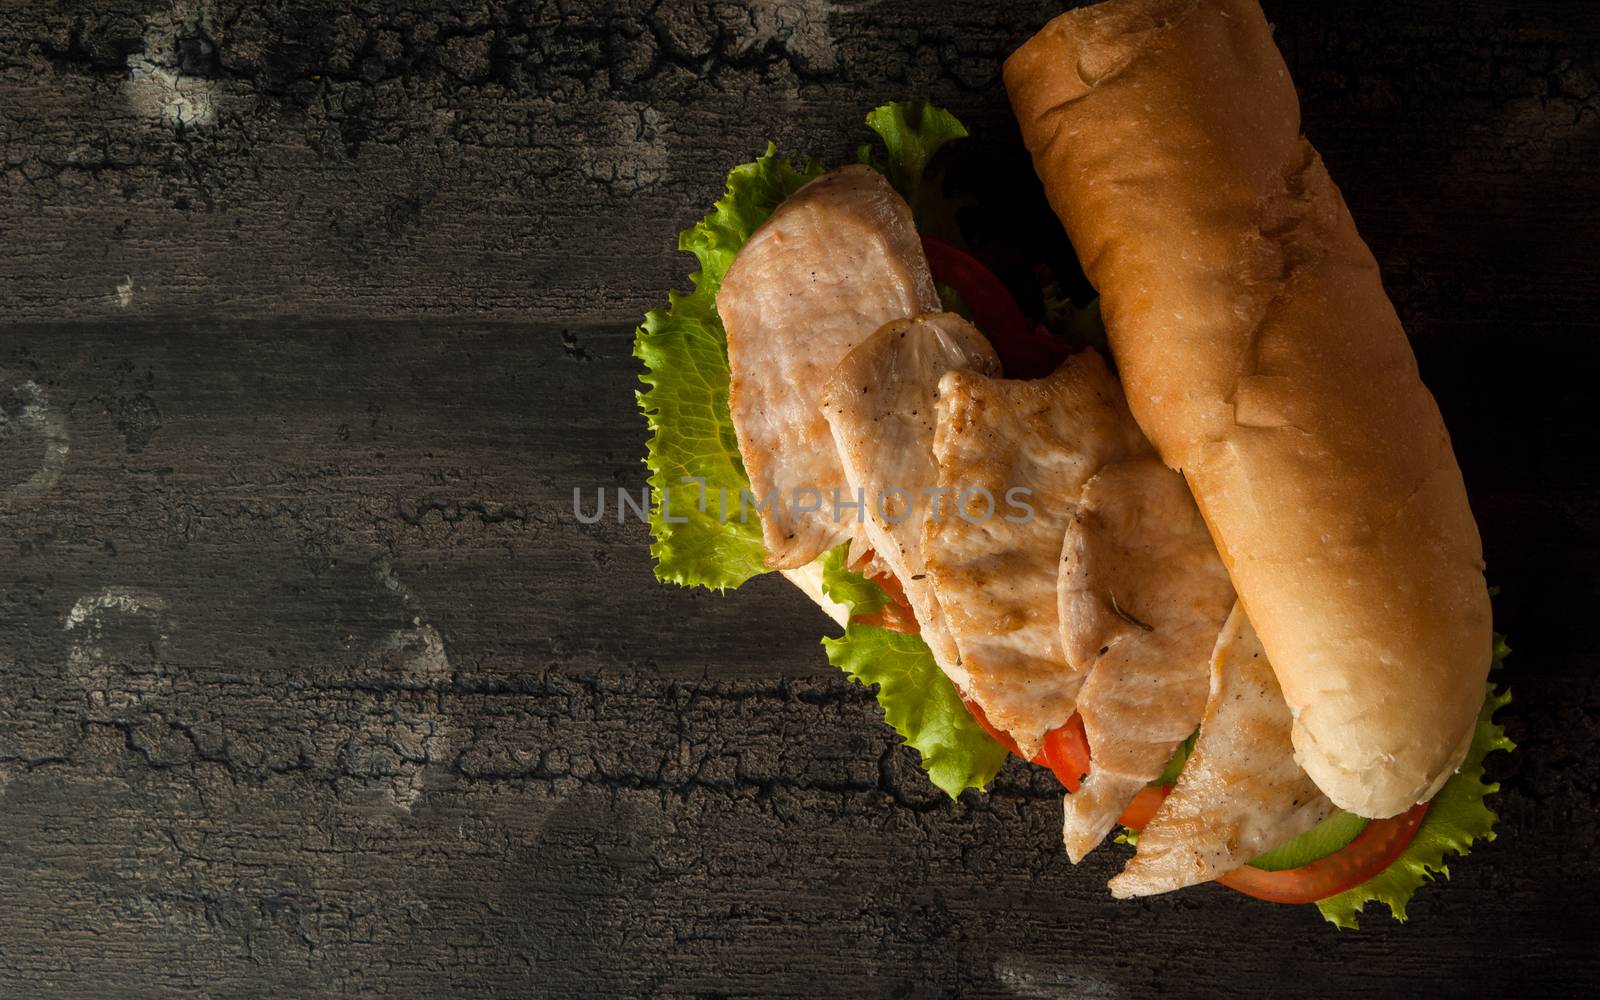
<point>1261,355</point>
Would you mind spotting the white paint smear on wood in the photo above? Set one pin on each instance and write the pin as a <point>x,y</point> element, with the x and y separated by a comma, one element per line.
<point>37,417</point>
<point>88,610</point>
<point>1031,977</point>
<point>87,623</point>
<point>419,735</point>
<point>155,87</point>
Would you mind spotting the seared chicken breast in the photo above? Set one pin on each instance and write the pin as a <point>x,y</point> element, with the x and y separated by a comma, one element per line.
<point>836,261</point>
<point>881,404</point>
<point>1023,450</point>
<point>1241,793</point>
<point>1142,595</point>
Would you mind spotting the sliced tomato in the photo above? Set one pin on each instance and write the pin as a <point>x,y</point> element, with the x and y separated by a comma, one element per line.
<point>1066,752</point>
<point>894,616</point>
<point>897,615</point>
<point>999,736</point>
<point>1026,348</point>
<point>891,586</point>
<point>888,618</point>
<point>1374,849</point>
<point>1144,805</point>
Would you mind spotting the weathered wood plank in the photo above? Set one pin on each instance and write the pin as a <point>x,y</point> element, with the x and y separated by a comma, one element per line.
<point>406,158</point>
<point>352,701</point>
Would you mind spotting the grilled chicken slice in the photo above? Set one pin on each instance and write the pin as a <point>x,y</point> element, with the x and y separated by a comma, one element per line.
<point>1241,793</point>
<point>881,405</point>
<point>1142,596</point>
<point>861,556</point>
<point>837,260</point>
<point>995,576</point>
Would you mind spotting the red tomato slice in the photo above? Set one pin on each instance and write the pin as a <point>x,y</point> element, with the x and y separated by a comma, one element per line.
<point>1002,738</point>
<point>1144,806</point>
<point>1066,752</point>
<point>891,586</point>
<point>897,615</point>
<point>1374,849</point>
<point>1026,349</point>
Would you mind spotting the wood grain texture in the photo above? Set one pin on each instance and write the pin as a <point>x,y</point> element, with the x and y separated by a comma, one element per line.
<point>313,685</point>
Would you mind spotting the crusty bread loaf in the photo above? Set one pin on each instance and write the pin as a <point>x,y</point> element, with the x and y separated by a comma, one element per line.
<point>1261,355</point>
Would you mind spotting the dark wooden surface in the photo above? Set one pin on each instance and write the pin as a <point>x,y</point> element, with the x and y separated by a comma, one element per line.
<point>312,684</point>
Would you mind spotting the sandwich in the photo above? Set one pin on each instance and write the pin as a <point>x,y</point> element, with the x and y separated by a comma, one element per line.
<point>1200,546</point>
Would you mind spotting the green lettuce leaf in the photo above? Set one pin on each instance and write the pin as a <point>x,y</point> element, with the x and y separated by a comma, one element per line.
<point>1457,819</point>
<point>685,353</point>
<point>918,700</point>
<point>912,132</point>
<point>1180,757</point>
<point>857,593</point>
<point>952,301</point>
<point>698,535</point>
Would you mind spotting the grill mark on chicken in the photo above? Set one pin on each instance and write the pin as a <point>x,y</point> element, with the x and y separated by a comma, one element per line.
<point>837,260</point>
<point>1241,792</point>
<point>885,442</point>
<point>995,578</point>
<point>1142,595</point>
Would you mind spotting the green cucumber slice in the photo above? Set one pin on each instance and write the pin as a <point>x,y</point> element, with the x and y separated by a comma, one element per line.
<point>1320,841</point>
<point>1180,757</point>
